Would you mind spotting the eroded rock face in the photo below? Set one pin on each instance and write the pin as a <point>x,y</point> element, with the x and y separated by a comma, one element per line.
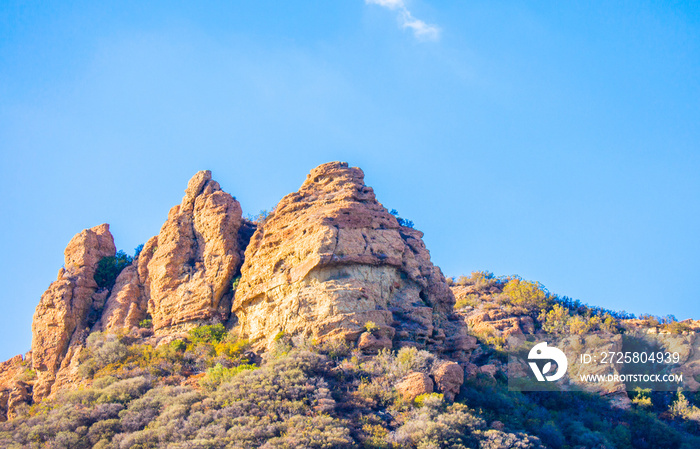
<point>330,258</point>
<point>193,259</point>
<point>64,308</point>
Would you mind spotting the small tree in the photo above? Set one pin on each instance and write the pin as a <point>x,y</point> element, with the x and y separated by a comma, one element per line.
<point>210,333</point>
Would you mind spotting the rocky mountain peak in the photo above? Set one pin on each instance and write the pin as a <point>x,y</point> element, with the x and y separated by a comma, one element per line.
<point>86,248</point>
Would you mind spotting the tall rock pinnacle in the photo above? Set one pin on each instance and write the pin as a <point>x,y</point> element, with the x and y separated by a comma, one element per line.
<point>189,266</point>
<point>63,309</point>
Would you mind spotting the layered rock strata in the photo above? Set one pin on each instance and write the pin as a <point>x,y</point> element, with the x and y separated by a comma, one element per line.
<point>330,259</point>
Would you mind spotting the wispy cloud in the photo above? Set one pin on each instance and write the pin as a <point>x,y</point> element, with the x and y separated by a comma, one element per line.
<point>420,29</point>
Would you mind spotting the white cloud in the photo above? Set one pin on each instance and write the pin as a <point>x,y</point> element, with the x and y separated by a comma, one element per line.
<point>420,29</point>
<point>391,4</point>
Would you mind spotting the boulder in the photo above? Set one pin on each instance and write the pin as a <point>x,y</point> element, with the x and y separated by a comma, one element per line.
<point>449,377</point>
<point>372,344</point>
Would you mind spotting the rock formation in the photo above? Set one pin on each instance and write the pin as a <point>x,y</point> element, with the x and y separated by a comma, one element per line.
<point>330,258</point>
<point>62,314</point>
<point>14,391</point>
<point>329,262</point>
<point>126,305</point>
<point>194,258</point>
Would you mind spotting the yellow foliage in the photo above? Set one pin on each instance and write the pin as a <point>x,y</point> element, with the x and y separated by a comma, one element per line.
<point>530,295</point>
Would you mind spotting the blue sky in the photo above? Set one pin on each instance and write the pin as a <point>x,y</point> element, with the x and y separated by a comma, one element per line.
<point>556,141</point>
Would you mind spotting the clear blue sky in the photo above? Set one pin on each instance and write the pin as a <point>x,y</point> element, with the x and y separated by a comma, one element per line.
<point>556,141</point>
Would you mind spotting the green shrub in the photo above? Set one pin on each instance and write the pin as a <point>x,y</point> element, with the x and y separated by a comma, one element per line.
<point>219,374</point>
<point>677,327</point>
<point>641,397</point>
<point>279,336</point>
<point>471,300</point>
<point>429,399</point>
<point>235,282</point>
<point>412,359</point>
<point>578,325</point>
<point>146,323</point>
<point>138,250</point>
<point>555,320</point>
<point>108,268</point>
<point>101,350</point>
<point>683,409</point>
<point>402,221</point>
<point>210,333</point>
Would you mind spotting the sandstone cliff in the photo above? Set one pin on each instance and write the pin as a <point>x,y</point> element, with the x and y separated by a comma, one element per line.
<point>182,278</point>
<point>330,258</point>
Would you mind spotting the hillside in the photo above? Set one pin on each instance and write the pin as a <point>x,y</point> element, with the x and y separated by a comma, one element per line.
<point>322,324</point>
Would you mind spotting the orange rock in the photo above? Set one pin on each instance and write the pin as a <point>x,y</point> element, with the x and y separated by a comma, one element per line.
<point>413,385</point>
<point>330,258</point>
<point>372,344</point>
<point>126,305</point>
<point>10,398</point>
<point>63,309</point>
<point>194,258</point>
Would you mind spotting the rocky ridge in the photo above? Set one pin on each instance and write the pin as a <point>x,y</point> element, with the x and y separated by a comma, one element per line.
<point>329,262</point>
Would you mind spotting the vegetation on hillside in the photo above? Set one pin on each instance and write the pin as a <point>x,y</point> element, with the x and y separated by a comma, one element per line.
<point>209,390</point>
<point>551,313</point>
